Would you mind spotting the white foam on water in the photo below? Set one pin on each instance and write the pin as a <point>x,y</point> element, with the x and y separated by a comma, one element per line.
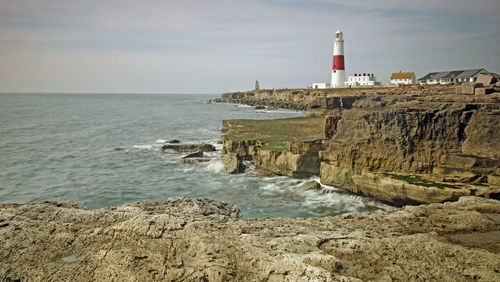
<point>143,147</point>
<point>243,106</point>
<point>271,187</point>
<point>316,199</point>
<point>213,155</point>
<point>278,111</point>
<point>161,141</point>
<point>215,166</point>
<point>250,169</point>
<point>332,197</point>
<point>189,168</point>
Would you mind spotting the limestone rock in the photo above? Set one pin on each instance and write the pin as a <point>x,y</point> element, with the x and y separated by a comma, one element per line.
<point>198,154</point>
<point>484,91</point>
<point>189,147</point>
<point>243,148</point>
<point>412,144</point>
<point>204,240</point>
<point>485,80</point>
<point>331,125</point>
<point>310,185</point>
<point>232,163</point>
<point>194,160</point>
<point>468,88</point>
<point>298,159</point>
<point>483,133</point>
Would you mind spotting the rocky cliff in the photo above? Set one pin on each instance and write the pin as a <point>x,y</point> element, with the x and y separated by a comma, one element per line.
<point>425,146</point>
<point>418,145</point>
<point>203,240</point>
<point>317,100</point>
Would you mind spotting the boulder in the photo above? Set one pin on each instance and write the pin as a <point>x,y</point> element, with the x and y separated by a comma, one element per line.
<point>485,80</point>
<point>189,147</point>
<point>483,91</point>
<point>468,88</point>
<point>198,154</point>
<point>310,185</point>
<point>480,91</point>
<point>173,141</point>
<point>117,149</point>
<point>232,163</point>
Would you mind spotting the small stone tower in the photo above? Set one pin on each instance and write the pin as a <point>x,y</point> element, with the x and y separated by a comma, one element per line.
<point>257,87</point>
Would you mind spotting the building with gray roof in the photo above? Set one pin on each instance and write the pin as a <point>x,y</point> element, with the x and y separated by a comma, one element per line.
<point>445,77</point>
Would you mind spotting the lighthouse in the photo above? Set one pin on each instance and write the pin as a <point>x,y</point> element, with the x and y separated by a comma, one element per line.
<point>338,70</point>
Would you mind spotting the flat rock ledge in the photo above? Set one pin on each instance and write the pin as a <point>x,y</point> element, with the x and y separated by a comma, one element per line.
<point>205,240</point>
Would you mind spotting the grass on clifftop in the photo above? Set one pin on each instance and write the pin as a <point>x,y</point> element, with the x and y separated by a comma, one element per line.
<point>417,180</point>
<point>275,133</point>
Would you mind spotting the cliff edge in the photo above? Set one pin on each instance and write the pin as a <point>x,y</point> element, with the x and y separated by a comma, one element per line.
<point>407,145</point>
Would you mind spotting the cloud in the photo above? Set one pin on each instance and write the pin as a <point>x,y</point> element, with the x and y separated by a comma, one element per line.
<point>216,46</point>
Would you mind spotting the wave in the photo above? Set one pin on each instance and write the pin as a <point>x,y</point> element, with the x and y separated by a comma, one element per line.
<point>271,187</point>
<point>279,111</point>
<point>143,147</point>
<point>215,166</point>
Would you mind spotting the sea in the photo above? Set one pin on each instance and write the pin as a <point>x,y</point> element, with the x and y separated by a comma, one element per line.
<point>64,146</point>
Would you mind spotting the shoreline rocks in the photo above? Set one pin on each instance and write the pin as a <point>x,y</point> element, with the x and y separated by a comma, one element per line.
<point>198,154</point>
<point>189,147</point>
<point>232,163</point>
<point>402,145</point>
<point>206,240</point>
<point>310,185</point>
<point>194,160</point>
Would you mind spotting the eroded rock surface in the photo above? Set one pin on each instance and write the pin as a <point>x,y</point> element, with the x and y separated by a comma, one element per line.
<point>199,239</point>
<point>402,145</point>
<point>232,163</point>
<point>189,147</point>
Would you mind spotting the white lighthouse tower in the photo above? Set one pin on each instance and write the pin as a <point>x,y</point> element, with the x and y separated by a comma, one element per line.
<point>338,69</point>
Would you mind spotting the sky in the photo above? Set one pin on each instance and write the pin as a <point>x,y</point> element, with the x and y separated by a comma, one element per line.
<point>216,46</point>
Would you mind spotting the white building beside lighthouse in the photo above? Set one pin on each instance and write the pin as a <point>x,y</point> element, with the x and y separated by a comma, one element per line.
<point>338,69</point>
<point>362,79</point>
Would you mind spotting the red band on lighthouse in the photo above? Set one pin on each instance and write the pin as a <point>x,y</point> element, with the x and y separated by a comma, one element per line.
<point>338,62</point>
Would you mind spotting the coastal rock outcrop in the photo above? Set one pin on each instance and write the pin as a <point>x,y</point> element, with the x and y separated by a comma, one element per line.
<point>198,154</point>
<point>403,145</point>
<point>310,185</point>
<point>204,240</point>
<point>189,147</point>
<point>298,159</point>
<point>194,160</point>
<point>403,155</point>
<point>232,163</point>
